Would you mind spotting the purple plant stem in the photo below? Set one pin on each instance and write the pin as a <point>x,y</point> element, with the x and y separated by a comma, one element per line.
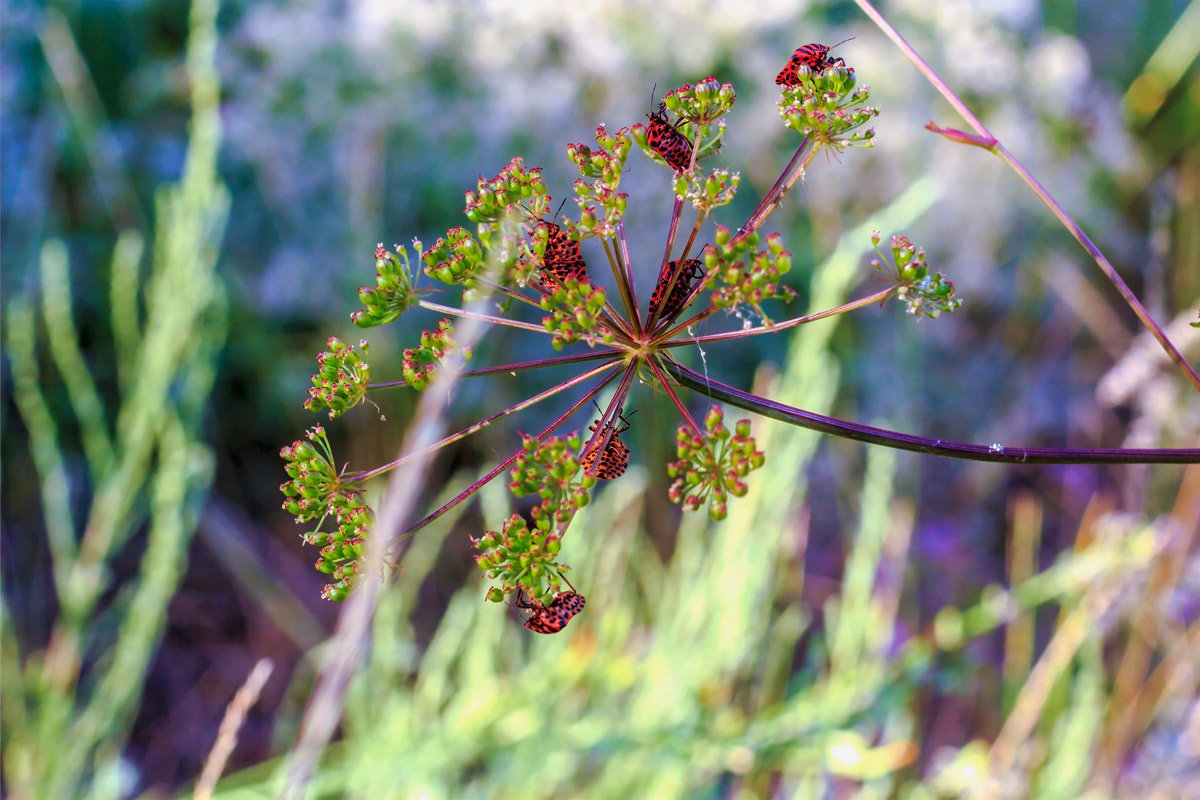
<point>921,444</point>
<point>676,212</point>
<point>508,291</point>
<point>622,249</point>
<point>794,169</point>
<point>518,367</point>
<point>879,296</point>
<point>687,247</point>
<point>478,426</point>
<point>508,462</point>
<point>1000,150</point>
<point>458,312</point>
<point>670,390</point>
<point>624,286</point>
<point>616,323</point>
<point>543,362</point>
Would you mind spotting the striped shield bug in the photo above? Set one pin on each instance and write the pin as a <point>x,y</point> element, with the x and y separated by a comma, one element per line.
<point>667,306</point>
<point>553,617</point>
<point>614,460</point>
<point>562,258</point>
<point>814,56</point>
<point>664,138</point>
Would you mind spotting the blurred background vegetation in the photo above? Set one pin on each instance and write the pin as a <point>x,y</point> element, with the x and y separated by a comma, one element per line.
<point>865,623</point>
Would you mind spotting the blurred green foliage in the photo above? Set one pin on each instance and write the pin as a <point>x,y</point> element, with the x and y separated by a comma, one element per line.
<point>68,709</point>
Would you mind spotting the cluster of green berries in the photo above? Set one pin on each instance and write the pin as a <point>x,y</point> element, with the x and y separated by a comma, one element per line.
<point>741,275</point>
<point>707,192</point>
<point>499,248</point>
<point>514,186</point>
<point>601,206</point>
<point>551,470</point>
<point>924,293</point>
<point>420,361</point>
<point>393,292</point>
<point>340,382</point>
<point>341,549</point>
<point>314,491</point>
<point>520,557</point>
<point>712,467</point>
<point>313,478</point>
<point>501,207</point>
<point>702,104</point>
<point>829,107</point>
<point>576,311</point>
<point>456,258</point>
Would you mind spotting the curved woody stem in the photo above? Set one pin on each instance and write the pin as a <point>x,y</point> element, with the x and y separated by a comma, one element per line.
<point>989,142</point>
<point>920,444</point>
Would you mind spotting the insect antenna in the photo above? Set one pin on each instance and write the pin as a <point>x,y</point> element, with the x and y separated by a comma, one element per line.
<point>567,580</point>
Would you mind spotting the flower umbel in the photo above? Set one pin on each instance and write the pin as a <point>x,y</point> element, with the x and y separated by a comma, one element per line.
<point>552,471</point>
<point>707,193</point>
<point>521,559</point>
<point>341,380</point>
<point>924,293</point>
<point>741,276</point>
<point>601,206</point>
<point>314,490</point>
<point>711,467</point>
<point>392,293</point>
<point>309,465</point>
<point>830,107</point>
<point>420,361</point>
<point>529,260</point>
<point>456,258</point>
